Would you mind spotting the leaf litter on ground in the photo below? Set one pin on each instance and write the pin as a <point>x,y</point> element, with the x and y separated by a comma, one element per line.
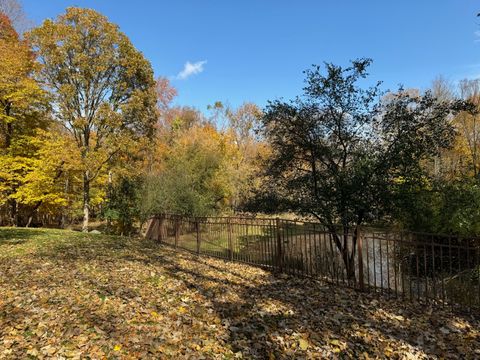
<point>70,295</point>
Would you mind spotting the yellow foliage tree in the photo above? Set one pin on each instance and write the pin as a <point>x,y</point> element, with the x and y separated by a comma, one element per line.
<point>102,87</point>
<point>463,159</point>
<point>22,111</point>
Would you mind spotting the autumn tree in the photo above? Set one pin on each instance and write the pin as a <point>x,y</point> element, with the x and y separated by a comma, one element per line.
<point>462,161</point>
<point>165,94</point>
<point>20,94</point>
<point>468,125</point>
<point>13,9</point>
<point>246,149</point>
<point>22,110</point>
<point>190,174</point>
<point>50,182</point>
<point>447,199</point>
<point>337,154</point>
<point>122,207</point>
<point>103,88</point>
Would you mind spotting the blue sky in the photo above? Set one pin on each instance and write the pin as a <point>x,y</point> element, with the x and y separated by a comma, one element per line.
<point>256,50</point>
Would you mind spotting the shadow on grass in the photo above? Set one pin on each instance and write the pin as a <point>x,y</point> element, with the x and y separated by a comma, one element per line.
<point>272,315</point>
<point>269,315</point>
<point>264,315</point>
<point>15,236</point>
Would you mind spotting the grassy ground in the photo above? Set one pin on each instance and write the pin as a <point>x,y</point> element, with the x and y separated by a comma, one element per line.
<point>65,294</point>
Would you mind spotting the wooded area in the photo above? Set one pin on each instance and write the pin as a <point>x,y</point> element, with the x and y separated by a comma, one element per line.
<point>89,133</point>
<point>347,183</point>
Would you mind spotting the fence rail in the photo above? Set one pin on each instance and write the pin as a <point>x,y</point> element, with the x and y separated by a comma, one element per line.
<point>407,265</point>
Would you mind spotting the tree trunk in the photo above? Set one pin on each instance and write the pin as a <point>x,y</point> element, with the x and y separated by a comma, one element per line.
<point>86,201</point>
<point>65,209</point>
<point>347,252</point>
<point>13,212</point>
<point>109,200</point>
<point>349,261</point>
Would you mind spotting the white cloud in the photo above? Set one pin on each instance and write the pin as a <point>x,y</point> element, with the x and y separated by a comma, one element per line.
<point>477,35</point>
<point>191,69</point>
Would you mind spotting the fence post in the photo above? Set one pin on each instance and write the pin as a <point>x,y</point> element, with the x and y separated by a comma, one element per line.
<point>230,240</point>
<point>177,228</point>
<point>279,245</point>
<point>161,227</point>
<point>359,236</point>
<point>150,229</point>
<point>197,227</point>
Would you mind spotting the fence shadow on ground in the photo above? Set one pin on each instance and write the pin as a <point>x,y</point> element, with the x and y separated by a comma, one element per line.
<point>406,265</point>
<point>262,314</point>
<point>272,310</point>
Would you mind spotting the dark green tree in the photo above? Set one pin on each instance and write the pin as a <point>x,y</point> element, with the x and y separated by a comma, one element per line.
<point>340,152</point>
<point>122,207</point>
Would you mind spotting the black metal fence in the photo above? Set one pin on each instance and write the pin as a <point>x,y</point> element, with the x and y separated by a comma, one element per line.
<point>407,265</point>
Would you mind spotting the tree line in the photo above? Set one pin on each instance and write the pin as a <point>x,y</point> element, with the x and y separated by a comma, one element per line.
<point>88,132</point>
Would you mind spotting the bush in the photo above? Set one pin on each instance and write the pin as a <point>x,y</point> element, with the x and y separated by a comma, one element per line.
<point>122,208</point>
<point>444,207</point>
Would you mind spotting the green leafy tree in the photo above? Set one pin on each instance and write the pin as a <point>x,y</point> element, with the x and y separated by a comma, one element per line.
<point>440,206</point>
<point>338,153</point>
<point>192,179</point>
<point>122,208</point>
<point>102,87</point>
